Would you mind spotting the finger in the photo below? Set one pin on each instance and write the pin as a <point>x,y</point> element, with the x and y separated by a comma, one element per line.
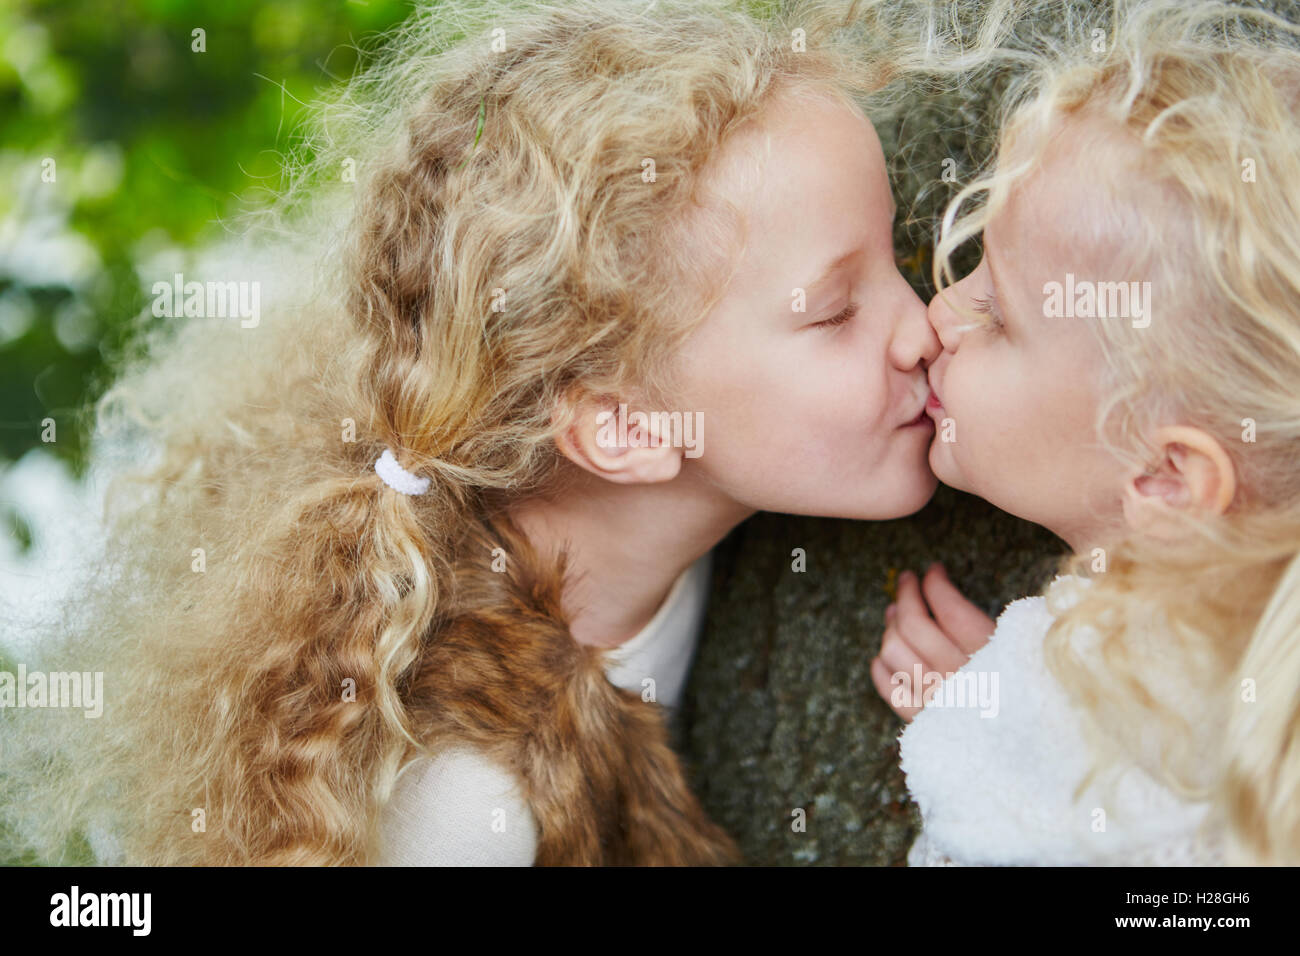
<point>964,623</point>
<point>887,689</point>
<point>913,680</point>
<point>909,596</point>
<point>935,649</point>
<point>897,654</point>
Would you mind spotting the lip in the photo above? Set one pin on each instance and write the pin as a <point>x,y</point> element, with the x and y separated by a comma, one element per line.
<point>933,403</point>
<point>922,418</point>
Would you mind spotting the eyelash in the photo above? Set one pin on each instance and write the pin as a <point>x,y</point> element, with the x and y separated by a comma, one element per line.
<point>849,312</point>
<point>984,305</point>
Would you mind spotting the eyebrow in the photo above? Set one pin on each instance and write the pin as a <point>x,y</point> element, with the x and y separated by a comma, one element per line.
<point>830,270</point>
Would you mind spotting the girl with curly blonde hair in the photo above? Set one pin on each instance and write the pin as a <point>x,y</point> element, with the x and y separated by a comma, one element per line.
<point>1122,367</point>
<point>363,601</point>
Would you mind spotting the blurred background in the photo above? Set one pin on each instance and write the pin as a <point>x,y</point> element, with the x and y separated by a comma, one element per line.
<point>130,132</point>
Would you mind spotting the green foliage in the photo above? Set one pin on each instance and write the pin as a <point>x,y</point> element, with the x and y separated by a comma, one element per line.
<point>152,145</point>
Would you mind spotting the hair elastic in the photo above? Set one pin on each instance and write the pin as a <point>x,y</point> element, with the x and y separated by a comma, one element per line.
<point>397,477</point>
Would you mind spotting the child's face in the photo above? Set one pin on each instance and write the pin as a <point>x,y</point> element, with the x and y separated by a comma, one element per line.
<point>1021,393</point>
<point>801,417</point>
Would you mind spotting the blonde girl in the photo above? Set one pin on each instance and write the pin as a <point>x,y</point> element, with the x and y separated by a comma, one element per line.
<point>1149,705</point>
<point>382,526</point>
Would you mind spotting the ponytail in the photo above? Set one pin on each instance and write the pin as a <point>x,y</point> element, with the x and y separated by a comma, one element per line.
<point>321,716</point>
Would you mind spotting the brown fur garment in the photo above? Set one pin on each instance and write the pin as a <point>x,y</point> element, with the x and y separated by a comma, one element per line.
<point>506,676</point>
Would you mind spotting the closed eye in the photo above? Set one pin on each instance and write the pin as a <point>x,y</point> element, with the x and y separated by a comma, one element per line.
<point>985,306</point>
<point>839,318</point>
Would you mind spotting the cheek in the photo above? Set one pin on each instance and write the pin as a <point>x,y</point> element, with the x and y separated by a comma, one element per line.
<point>1021,433</point>
<point>799,393</point>
<point>984,403</point>
<point>997,430</point>
<point>808,426</point>
<point>833,406</point>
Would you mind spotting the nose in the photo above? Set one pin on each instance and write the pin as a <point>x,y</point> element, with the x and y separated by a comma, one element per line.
<point>914,342</point>
<point>942,318</point>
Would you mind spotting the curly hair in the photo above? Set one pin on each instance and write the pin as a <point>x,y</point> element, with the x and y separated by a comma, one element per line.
<point>1198,102</point>
<point>509,203</point>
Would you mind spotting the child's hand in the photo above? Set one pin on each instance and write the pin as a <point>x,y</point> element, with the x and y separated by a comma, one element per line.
<point>942,643</point>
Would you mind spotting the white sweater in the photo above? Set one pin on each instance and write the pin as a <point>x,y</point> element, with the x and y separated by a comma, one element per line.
<point>462,809</point>
<point>998,790</point>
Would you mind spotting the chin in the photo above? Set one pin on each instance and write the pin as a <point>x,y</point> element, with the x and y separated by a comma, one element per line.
<point>899,494</point>
<point>942,466</point>
<point>908,496</point>
<point>902,501</point>
<point>923,488</point>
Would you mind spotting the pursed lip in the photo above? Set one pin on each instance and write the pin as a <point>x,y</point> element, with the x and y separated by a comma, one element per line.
<point>920,415</point>
<point>933,402</point>
<point>915,419</point>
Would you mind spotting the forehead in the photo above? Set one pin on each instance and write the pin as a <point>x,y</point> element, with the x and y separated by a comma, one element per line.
<point>1072,203</point>
<point>807,172</point>
<point>801,140</point>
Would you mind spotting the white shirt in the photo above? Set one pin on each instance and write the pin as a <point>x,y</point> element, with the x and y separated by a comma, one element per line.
<point>462,809</point>
<point>999,789</point>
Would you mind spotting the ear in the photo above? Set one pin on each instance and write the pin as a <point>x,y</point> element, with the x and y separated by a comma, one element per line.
<point>1193,473</point>
<point>612,442</point>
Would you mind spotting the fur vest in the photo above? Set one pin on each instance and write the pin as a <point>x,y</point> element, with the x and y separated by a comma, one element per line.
<point>504,675</point>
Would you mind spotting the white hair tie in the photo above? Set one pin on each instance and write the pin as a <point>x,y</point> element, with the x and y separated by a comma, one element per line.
<point>397,477</point>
